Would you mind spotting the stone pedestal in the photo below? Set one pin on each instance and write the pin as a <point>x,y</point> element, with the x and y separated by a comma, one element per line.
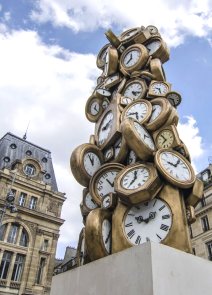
<point>148,269</point>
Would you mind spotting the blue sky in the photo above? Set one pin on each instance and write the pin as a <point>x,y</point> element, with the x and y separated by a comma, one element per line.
<point>48,52</point>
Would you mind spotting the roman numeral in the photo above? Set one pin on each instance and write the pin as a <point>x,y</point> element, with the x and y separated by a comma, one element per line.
<point>164,227</point>
<point>167,216</point>
<point>131,233</point>
<point>138,240</point>
<point>161,208</point>
<point>128,224</point>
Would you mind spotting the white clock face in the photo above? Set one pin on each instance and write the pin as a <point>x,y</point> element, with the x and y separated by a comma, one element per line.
<point>103,92</point>
<point>131,58</point>
<point>144,135</point>
<point>135,178</point>
<point>175,166</point>
<point>91,163</point>
<point>108,153</point>
<point>111,79</point>
<point>105,183</point>
<point>117,147</point>
<point>131,159</point>
<point>105,104</point>
<point>150,221</point>
<point>156,110</point>
<point>134,90</point>
<point>89,202</point>
<point>159,88</point>
<point>174,99</point>
<point>137,111</point>
<point>105,127</point>
<point>126,100</point>
<point>153,46</point>
<point>106,202</point>
<point>94,108</point>
<point>127,35</point>
<point>107,234</point>
<point>165,139</point>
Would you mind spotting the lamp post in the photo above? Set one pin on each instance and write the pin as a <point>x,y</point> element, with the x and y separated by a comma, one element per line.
<point>9,203</point>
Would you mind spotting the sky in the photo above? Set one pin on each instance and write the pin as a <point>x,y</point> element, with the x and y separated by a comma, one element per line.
<point>48,70</point>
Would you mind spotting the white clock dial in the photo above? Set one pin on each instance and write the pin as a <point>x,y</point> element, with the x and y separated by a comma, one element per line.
<point>175,166</point>
<point>145,136</point>
<point>108,153</point>
<point>103,92</point>
<point>107,234</point>
<point>134,90</point>
<point>94,108</point>
<point>128,34</point>
<point>160,88</point>
<point>105,128</point>
<point>135,178</point>
<point>156,110</point>
<point>131,58</point>
<point>131,159</point>
<point>106,202</point>
<point>91,163</point>
<point>174,99</point>
<point>150,221</point>
<point>126,100</point>
<point>105,183</point>
<point>153,46</point>
<point>89,202</point>
<point>137,111</point>
<point>111,79</point>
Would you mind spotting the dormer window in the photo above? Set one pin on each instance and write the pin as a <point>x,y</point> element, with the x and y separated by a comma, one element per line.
<point>29,170</point>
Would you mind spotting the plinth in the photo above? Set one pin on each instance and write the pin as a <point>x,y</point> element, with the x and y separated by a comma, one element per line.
<point>148,269</point>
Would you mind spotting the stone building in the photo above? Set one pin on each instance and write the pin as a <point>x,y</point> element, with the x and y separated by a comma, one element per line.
<point>68,262</point>
<point>201,230</point>
<point>28,237</point>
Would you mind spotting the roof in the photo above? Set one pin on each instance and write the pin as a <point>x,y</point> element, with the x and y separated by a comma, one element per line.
<point>15,148</point>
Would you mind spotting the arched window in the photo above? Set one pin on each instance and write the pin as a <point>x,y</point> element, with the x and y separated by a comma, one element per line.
<point>12,237</point>
<point>24,238</point>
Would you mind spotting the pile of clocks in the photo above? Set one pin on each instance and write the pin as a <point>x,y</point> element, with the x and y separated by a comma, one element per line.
<point>139,183</point>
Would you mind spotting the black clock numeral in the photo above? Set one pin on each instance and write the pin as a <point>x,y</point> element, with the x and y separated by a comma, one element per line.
<point>158,237</point>
<point>138,240</point>
<point>130,214</point>
<point>164,227</point>
<point>128,224</point>
<point>100,188</point>
<point>131,233</point>
<point>161,208</point>
<point>105,175</point>
<point>167,216</point>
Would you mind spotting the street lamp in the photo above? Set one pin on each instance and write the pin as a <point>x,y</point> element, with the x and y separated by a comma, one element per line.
<point>8,205</point>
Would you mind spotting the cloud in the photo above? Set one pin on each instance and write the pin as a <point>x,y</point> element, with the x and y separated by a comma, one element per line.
<point>175,19</point>
<point>49,87</point>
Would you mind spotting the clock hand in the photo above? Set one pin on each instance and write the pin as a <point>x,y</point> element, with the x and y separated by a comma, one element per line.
<point>135,177</point>
<point>110,183</point>
<point>146,136</point>
<point>108,237</point>
<point>91,159</point>
<point>158,89</point>
<point>106,126</point>
<point>171,163</point>
<point>136,92</point>
<point>164,139</point>
<point>130,58</point>
<point>95,108</point>
<point>134,113</point>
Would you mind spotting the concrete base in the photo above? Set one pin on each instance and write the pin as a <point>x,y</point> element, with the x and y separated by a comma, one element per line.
<point>148,269</point>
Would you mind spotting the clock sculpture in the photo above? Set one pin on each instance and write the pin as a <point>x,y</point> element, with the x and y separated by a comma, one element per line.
<point>139,182</point>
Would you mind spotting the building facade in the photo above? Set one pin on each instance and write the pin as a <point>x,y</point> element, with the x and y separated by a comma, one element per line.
<point>201,230</point>
<point>28,237</point>
<point>67,263</point>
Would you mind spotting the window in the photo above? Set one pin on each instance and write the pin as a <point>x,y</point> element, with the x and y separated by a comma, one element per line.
<point>205,175</point>
<point>24,238</point>
<point>30,170</point>
<point>18,267</point>
<point>2,232</point>
<point>194,251</point>
<point>5,263</point>
<point>203,202</point>
<point>191,233</point>
<point>40,270</point>
<point>13,233</point>
<point>205,224</point>
<point>33,203</point>
<point>45,245</point>
<point>22,199</point>
<point>28,153</point>
<point>209,247</point>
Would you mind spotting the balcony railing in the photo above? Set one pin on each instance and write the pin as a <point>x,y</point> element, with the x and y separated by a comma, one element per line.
<point>3,283</point>
<point>15,285</point>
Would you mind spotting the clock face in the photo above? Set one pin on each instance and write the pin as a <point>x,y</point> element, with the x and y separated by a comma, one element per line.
<point>105,104</point>
<point>175,166</point>
<point>128,34</point>
<point>105,183</point>
<point>152,29</point>
<point>107,235</point>
<point>159,88</point>
<point>156,110</point>
<point>94,108</point>
<point>174,98</point>
<point>91,163</point>
<point>89,202</point>
<point>149,221</point>
<point>103,92</point>
<point>165,139</point>
<point>108,153</point>
<point>153,46</point>
<point>135,178</point>
<point>137,111</point>
<point>131,58</point>
<point>131,159</point>
<point>117,147</point>
<point>111,79</point>
<point>134,90</point>
<point>105,128</point>
<point>126,100</point>
<point>106,202</point>
<point>144,135</point>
